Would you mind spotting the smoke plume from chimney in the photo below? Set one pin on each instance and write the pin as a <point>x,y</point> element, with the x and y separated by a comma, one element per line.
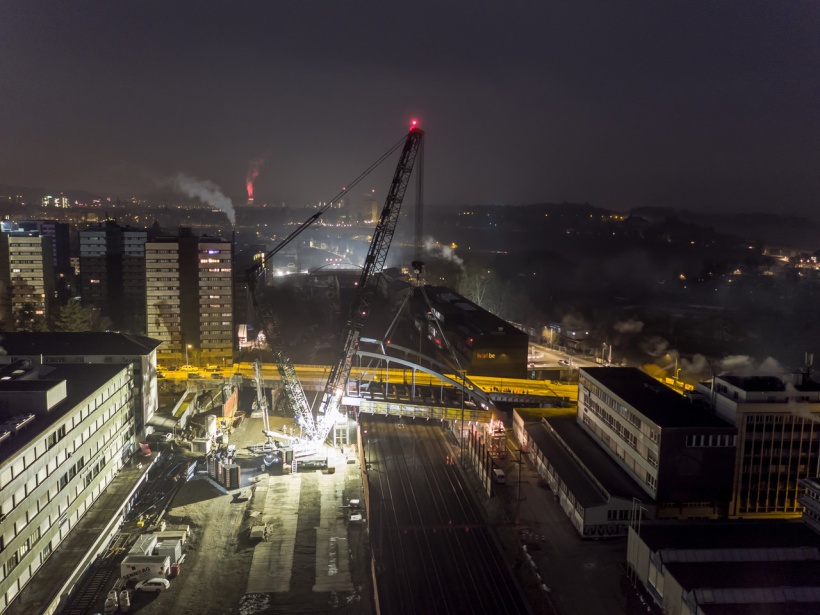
<point>204,190</point>
<point>253,173</point>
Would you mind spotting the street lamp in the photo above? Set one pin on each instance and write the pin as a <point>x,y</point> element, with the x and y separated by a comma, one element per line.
<point>187,346</point>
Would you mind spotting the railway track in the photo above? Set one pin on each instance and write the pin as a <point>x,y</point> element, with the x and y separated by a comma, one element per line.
<point>434,551</point>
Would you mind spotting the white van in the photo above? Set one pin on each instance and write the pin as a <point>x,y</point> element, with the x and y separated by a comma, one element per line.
<point>499,476</point>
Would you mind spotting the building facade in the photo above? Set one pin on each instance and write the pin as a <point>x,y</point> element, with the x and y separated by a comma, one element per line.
<point>214,301</point>
<point>112,274</point>
<point>27,277</point>
<point>680,454</point>
<point>98,348</point>
<point>189,298</point>
<point>810,499</point>
<point>64,431</point>
<point>733,567</point>
<point>778,425</point>
<point>59,234</point>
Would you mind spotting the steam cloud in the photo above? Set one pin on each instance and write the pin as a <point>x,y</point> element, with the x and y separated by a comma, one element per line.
<point>628,326</point>
<point>700,368</point>
<point>444,252</point>
<point>206,191</point>
<point>253,173</point>
<point>655,346</point>
<point>573,320</point>
<point>742,365</point>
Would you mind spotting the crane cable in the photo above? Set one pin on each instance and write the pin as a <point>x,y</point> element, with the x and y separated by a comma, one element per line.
<point>329,203</point>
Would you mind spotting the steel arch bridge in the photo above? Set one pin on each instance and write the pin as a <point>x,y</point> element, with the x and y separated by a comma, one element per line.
<point>389,379</point>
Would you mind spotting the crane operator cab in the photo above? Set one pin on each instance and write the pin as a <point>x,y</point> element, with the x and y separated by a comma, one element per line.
<point>499,476</point>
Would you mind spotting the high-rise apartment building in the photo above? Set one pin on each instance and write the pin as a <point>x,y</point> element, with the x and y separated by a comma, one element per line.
<point>100,251</point>
<point>215,300</point>
<point>59,233</point>
<point>26,277</point>
<point>112,274</point>
<point>189,298</point>
<point>778,425</point>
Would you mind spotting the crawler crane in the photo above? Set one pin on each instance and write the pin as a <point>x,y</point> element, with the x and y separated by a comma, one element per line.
<point>314,435</point>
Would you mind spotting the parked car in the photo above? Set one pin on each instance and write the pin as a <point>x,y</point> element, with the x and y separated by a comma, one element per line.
<point>216,376</point>
<point>189,368</point>
<point>194,375</point>
<point>157,584</point>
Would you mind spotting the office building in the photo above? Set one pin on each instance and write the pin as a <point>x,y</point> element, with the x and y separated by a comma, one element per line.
<point>189,298</point>
<point>27,279</point>
<point>680,454</point>
<point>65,432</point>
<point>98,348</point>
<point>778,425</point>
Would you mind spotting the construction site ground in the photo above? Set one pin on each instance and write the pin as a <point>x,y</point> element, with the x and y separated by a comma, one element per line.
<point>309,559</point>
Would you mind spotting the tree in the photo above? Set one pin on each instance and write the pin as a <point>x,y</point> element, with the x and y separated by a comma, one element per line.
<point>480,285</point>
<point>99,322</point>
<point>26,318</point>
<point>72,317</point>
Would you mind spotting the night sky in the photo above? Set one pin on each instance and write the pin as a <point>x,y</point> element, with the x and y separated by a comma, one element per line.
<point>697,105</point>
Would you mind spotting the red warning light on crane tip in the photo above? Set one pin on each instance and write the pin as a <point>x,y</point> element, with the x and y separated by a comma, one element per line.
<point>414,124</point>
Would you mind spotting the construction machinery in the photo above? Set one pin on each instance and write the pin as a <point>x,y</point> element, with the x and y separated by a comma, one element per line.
<point>314,435</point>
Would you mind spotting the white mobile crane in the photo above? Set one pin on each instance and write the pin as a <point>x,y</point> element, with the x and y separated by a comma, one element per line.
<point>314,435</point>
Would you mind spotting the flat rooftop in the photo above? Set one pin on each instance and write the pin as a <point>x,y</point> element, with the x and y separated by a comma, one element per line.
<point>81,381</point>
<point>23,344</point>
<point>657,402</point>
<point>615,481</point>
<point>729,535</point>
<point>761,384</point>
<point>768,608</point>
<point>735,575</point>
<point>467,315</point>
